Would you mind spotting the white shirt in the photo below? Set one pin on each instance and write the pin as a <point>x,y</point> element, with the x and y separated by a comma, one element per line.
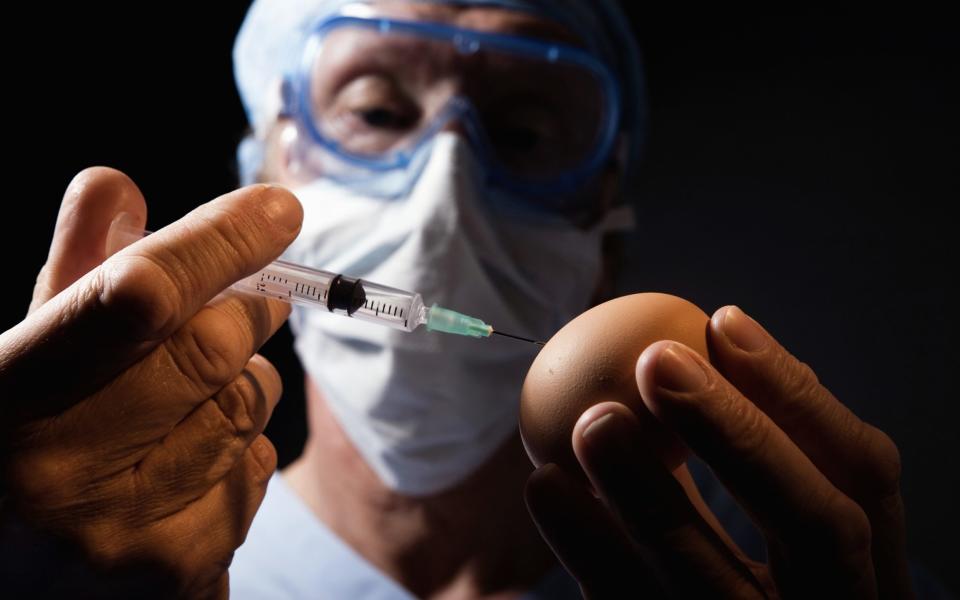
<point>290,553</point>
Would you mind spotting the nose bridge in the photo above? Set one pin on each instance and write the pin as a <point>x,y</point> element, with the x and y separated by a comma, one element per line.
<point>457,115</point>
<point>454,107</point>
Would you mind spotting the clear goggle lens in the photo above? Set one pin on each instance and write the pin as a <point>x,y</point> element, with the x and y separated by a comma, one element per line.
<point>371,92</point>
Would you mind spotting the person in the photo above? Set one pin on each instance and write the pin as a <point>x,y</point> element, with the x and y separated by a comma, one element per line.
<point>479,152</point>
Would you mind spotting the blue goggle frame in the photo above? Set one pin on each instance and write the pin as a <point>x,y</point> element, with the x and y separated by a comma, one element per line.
<point>298,103</point>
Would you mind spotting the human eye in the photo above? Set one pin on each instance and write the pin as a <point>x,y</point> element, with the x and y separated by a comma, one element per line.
<point>517,137</point>
<point>375,102</point>
<point>522,126</point>
<point>383,117</point>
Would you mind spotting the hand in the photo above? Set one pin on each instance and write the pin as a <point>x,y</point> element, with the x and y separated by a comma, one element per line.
<point>822,485</point>
<point>133,402</point>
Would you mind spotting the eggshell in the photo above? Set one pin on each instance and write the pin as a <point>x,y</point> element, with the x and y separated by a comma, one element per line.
<point>593,359</point>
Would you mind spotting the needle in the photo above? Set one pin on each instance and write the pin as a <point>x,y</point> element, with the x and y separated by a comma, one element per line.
<point>517,337</point>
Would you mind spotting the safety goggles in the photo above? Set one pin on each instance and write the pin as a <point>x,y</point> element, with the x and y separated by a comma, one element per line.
<point>370,93</point>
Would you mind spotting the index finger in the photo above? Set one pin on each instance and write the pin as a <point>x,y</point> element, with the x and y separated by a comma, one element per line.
<point>125,307</point>
<point>825,534</point>
<point>858,458</point>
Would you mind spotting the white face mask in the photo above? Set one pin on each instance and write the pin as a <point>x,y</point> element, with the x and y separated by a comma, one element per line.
<point>426,409</point>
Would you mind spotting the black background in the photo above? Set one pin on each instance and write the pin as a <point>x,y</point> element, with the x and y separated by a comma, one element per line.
<point>800,165</point>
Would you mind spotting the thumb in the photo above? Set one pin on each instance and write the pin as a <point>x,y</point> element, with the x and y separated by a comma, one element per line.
<point>94,198</point>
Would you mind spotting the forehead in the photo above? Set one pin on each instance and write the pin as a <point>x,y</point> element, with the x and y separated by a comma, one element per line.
<point>491,19</point>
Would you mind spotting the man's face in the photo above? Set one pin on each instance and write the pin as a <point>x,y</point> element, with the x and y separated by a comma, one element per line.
<point>377,94</point>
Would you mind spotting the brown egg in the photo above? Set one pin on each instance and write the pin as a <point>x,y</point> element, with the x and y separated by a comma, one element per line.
<point>593,359</point>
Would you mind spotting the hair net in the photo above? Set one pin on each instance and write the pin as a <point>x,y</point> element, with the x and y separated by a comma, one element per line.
<point>271,38</point>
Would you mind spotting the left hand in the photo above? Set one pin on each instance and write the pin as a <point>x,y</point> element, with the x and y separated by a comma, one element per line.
<point>822,485</point>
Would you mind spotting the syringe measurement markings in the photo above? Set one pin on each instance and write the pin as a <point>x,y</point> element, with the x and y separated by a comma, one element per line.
<point>305,289</point>
<point>380,307</point>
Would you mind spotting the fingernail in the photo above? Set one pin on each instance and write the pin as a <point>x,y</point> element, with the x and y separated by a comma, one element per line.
<point>678,371</point>
<point>742,331</point>
<point>123,231</point>
<point>609,435</point>
<point>600,425</point>
<point>283,209</point>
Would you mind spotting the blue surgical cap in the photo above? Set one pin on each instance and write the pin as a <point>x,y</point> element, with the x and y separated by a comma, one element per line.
<point>271,38</point>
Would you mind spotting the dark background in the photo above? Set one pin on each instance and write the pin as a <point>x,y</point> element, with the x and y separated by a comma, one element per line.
<point>799,165</point>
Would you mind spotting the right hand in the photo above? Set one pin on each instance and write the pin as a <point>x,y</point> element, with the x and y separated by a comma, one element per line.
<point>133,402</point>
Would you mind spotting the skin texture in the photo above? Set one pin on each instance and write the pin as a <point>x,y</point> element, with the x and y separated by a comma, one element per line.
<point>146,454</point>
<point>822,485</point>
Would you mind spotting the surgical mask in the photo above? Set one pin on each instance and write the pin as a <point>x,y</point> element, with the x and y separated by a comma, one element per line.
<point>426,409</point>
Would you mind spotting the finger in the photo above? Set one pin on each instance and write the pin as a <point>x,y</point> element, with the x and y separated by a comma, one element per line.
<point>206,445</point>
<point>233,502</point>
<point>221,590</point>
<point>94,198</point>
<point>826,534</point>
<point>584,536</point>
<point>209,352</point>
<point>654,509</point>
<point>218,522</point>
<point>126,307</point>
<point>858,458</point>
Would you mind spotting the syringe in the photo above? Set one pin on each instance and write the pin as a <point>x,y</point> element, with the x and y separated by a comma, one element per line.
<point>341,295</point>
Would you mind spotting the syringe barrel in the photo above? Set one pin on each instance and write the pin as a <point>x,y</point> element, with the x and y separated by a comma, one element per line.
<point>391,307</point>
<point>288,282</point>
<point>317,289</point>
<point>337,293</point>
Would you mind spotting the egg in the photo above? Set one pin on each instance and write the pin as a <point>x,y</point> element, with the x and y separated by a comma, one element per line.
<point>593,359</point>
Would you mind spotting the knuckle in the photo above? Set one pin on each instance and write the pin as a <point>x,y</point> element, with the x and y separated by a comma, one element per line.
<point>139,292</point>
<point>751,440</point>
<point>43,479</point>
<point>247,318</point>
<point>242,402</point>
<point>795,379</point>
<point>264,456</point>
<point>205,355</point>
<point>269,377</point>
<point>884,465</point>
<point>233,236</point>
<point>843,527</point>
